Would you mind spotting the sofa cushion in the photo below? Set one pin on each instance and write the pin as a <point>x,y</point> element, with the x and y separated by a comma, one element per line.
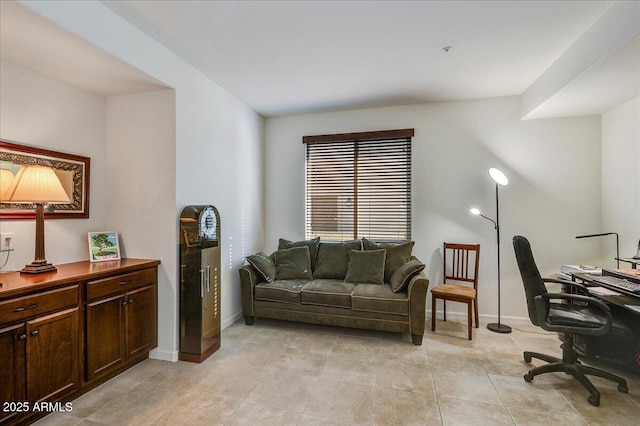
<point>312,244</point>
<point>328,293</point>
<point>264,264</point>
<point>293,264</point>
<point>366,267</point>
<point>333,259</point>
<point>400,279</point>
<point>379,298</point>
<point>397,255</point>
<point>287,291</point>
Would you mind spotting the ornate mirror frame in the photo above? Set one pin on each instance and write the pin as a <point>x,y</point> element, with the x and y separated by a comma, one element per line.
<point>73,171</point>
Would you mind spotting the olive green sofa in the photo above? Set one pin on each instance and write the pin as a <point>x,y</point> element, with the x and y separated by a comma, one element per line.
<point>358,284</point>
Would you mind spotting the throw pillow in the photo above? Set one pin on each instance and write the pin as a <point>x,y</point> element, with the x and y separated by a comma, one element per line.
<point>400,279</point>
<point>312,244</point>
<point>397,255</point>
<point>333,259</point>
<point>264,265</point>
<point>293,264</point>
<point>366,267</point>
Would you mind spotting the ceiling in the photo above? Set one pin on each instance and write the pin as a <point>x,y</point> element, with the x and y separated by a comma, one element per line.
<point>28,39</point>
<point>288,57</point>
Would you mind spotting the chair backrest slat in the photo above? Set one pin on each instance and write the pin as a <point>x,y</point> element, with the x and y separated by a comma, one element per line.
<point>464,260</point>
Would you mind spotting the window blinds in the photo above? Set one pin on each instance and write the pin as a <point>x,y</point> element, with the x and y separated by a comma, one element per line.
<point>359,185</point>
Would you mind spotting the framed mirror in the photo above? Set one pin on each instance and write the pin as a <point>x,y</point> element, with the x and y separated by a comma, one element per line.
<point>72,170</point>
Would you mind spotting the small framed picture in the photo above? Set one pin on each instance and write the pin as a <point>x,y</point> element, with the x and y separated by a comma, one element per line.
<point>103,246</point>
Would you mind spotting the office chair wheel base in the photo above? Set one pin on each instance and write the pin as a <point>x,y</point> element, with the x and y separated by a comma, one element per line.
<point>528,378</point>
<point>622,388</point>
<point>594,400</point>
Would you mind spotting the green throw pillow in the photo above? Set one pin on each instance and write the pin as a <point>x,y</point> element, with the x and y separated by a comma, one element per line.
<point>400,279</point>
<point>366,267</point>
<point>333,259</point>
<point>293,264</point>
<point>397,255</point>
<point>312,244</point>
<point>264,265</point>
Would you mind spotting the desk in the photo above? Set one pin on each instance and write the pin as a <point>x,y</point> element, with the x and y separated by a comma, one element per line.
<point>621,346</point>
<point>628,302</point>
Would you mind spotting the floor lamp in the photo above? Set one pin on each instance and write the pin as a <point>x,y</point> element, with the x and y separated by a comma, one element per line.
<point>501,180</point>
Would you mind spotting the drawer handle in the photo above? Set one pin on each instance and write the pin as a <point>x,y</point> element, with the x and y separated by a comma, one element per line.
<point>35,305</point>
<point>124,282</point>
<point>124,303</point>
<point>34,332</point>
<point>23,337</point>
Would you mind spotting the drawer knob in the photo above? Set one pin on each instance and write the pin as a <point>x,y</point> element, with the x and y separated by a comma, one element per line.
<point>34,332</point>
<point>124,303</point>
<point>23,337</point>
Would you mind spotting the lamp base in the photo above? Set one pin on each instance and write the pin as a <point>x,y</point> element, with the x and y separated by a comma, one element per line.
<point>38,268</point>
<point>499,328</point>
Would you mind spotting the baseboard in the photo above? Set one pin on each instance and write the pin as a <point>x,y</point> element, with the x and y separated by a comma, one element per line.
<point>164,355</point>
<point>483,318</point>
<point>172,356</point>
<point>231,320</point>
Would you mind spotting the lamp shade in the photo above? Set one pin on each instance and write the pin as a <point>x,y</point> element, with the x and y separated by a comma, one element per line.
<point>36,184</point>
<point>498,176</point>
<point>6,177</point>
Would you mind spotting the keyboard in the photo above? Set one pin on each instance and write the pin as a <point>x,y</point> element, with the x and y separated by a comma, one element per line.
<point>619,284</point>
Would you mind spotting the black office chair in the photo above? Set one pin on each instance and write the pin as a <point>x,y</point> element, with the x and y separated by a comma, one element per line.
<point>569,314</point>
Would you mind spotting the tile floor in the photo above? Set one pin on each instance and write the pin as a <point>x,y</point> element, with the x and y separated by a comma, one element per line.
<point>280,373</point>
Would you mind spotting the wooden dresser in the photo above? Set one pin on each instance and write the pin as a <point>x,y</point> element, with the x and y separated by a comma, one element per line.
<point>63,333</point>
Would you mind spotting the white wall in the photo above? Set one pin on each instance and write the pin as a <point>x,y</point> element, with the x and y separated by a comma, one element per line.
<point>141,193</point>
<point>621,179</point>
<point>217,152</point>
<point>553,194</point>
<point>43,112</point>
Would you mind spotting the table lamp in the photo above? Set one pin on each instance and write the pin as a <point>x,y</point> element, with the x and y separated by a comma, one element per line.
<point>38,185</point>
<point>501,180</point>
<point>6,177</point>
<point>617,243</point>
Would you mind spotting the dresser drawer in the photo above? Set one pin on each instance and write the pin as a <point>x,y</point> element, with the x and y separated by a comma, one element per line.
<point>120,283</point>
<point>26,307</point>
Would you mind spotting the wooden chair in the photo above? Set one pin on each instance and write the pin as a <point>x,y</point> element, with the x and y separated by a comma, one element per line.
<point>462,267</point>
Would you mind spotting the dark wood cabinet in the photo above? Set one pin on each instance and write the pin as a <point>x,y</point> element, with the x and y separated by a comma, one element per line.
<point>63,333</point>
<point>141,328</point>
<point>52,356</point>
<point>12,367</point>
<point>105,339</point>
<point>122,326</point>
<point>39,355</point>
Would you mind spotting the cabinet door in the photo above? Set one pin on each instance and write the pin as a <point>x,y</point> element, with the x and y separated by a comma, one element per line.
<point>141,321</point>
<point>12,373</point>
<point>52,355</point>
<point>105,335</point>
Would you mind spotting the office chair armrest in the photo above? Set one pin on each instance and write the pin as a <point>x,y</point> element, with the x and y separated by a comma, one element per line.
<point>580,287</point>
<point>577,298</point>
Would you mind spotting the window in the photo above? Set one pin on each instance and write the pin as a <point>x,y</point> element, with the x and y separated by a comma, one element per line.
<point>359,185</point>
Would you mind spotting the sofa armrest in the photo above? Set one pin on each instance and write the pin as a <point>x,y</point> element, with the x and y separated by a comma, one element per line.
<point>249,277</point>
<point>417,293</point>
